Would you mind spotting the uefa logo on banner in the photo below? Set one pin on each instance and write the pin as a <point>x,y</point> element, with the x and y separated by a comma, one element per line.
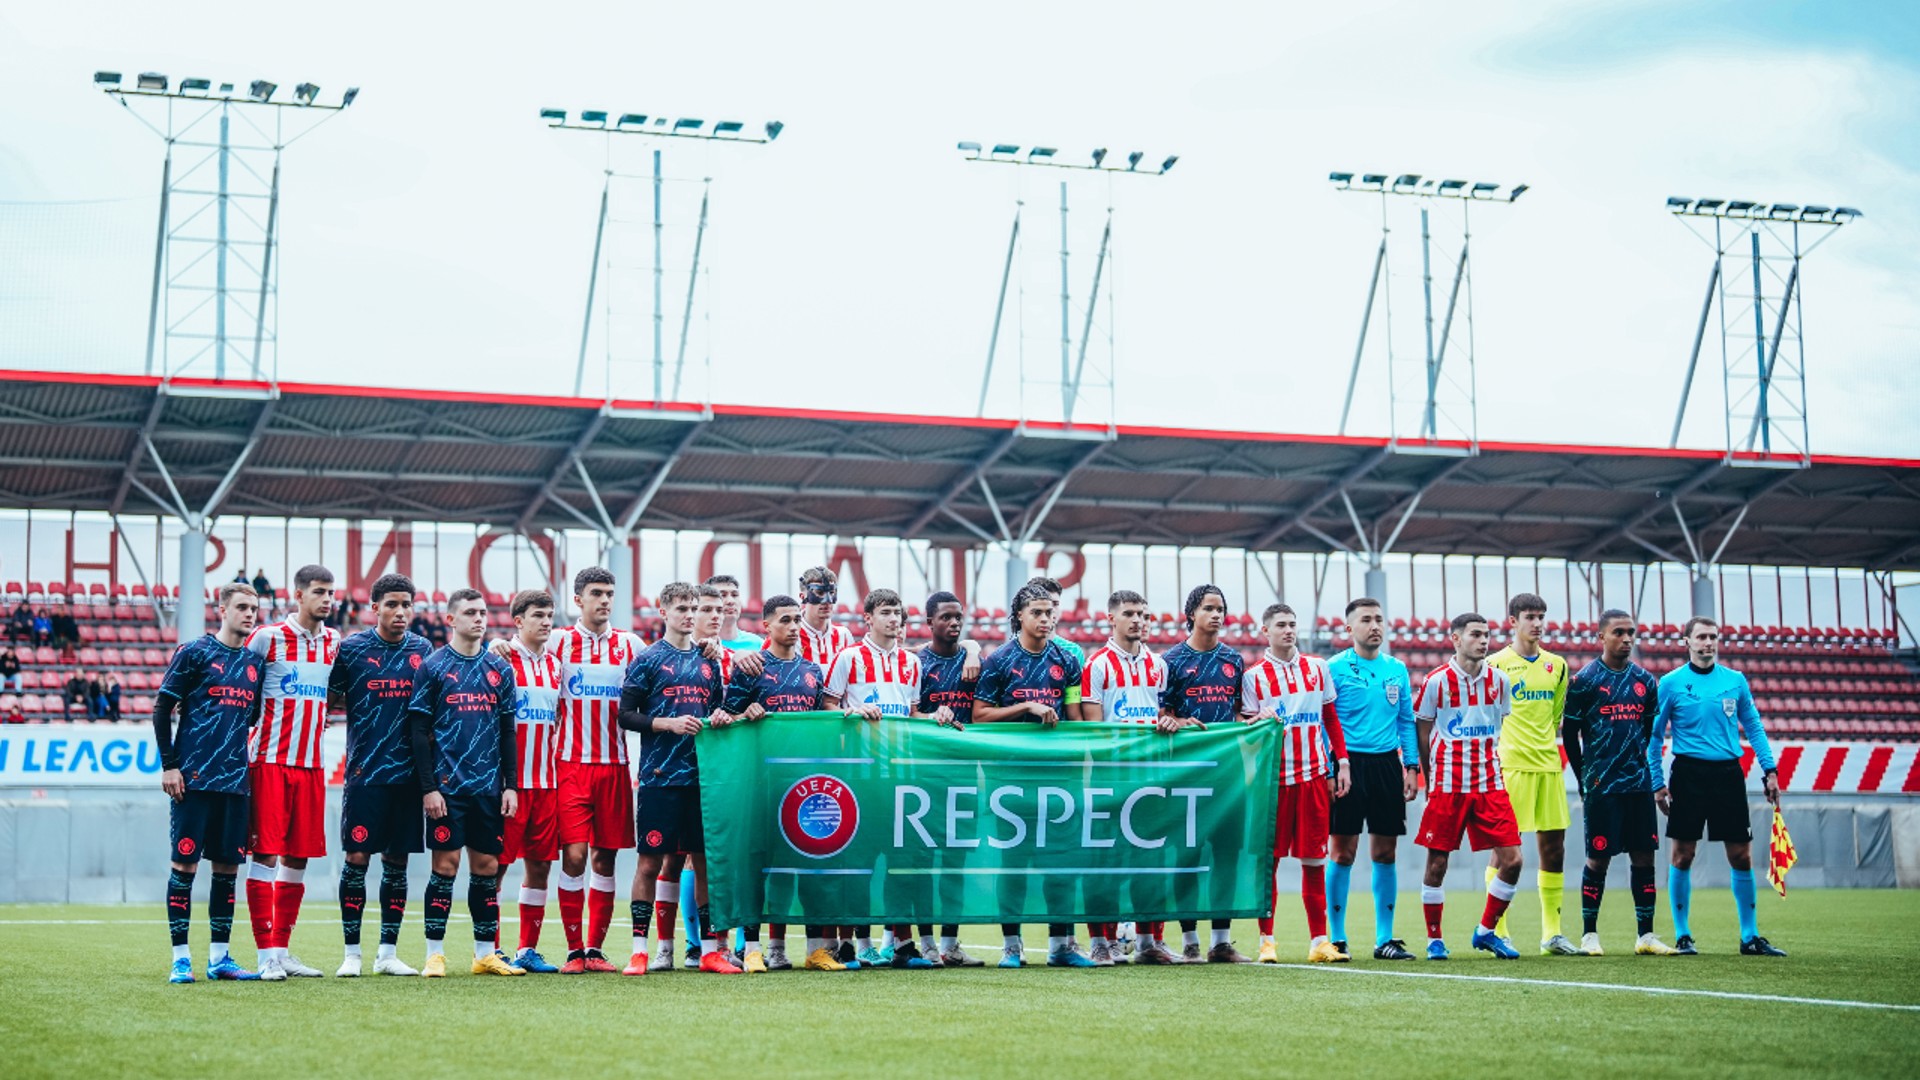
<point>819,816</point>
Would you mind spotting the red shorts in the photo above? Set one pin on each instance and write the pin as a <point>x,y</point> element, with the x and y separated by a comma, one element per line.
<point>1300,828</point>
<point>596,805</point>
<point>1485,816</point>
<point>533,832</point>
<point>289,811</point>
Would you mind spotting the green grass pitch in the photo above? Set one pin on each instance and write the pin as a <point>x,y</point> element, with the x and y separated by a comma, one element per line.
<point>90,999</point>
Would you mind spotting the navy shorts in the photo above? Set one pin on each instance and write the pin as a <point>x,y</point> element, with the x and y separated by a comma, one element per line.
<point>667,819</point>
<point>381,818</point>
<point>213,824</point>
<point>472,821</point>
<point>1623,822</point>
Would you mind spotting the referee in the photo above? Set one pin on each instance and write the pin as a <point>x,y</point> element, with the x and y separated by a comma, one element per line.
<point>1708,707</point>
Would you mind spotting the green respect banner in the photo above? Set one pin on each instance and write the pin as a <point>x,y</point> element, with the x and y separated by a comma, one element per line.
<point>816,818</point>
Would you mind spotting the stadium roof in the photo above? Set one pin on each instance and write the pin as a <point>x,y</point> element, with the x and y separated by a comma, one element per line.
<point>97,442</point>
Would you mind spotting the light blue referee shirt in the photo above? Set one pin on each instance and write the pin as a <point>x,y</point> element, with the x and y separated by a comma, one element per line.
<point>1707,712</point>
<point>1375,704</point>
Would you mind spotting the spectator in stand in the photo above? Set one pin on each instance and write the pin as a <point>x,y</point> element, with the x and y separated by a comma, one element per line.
<point>437,630</point>
<point>42,627</point>
<point>9,670</point>
<point>10,711</point>
<point>262,587</point>
<point>66,629</point>
<point>20,628</point>
<point>78,690</point>
<point>420,625</point>
<point>106,696</point>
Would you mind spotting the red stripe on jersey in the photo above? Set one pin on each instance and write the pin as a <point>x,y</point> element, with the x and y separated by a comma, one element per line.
<point>589,724</point>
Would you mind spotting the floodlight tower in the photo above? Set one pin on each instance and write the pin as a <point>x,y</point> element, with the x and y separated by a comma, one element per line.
<point>1464,193</point>
<point>214,228</point>
<point>647,125</point>
<point>1763,376</point>
<point>1047,157</point>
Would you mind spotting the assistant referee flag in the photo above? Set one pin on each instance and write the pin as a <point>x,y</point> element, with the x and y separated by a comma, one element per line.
<point>1783,857</point>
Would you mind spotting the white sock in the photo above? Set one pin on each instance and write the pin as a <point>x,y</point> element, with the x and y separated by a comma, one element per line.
<point>1010,941</point>
<point>216,952</point>
<point>889,941</point>
<point>259,872</point>
<point>182,952</point>
<point>1222,937</point>
<point>640,944</point>
<point>1190,937</point>
<point>708,945</point>
<point>290,875</point>
<point>353,950</point>
<point>279,954</point>
<point>385,951</point>
<point>533,897</point>
<point>947,943</point>
<point>866,943</point>
<point>435,946</point>
<point>601,883</point>
<point>1267,939</point>
<point>926,944</point>
<point>484,948</point>
<point>571,883</point>
<point>1098,940</point>
<point>1056,944</point>
<point>1315,943</point>
<point>812,944</point>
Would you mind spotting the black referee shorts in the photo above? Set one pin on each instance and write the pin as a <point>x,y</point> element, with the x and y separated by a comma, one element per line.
<point>1376,803</point>
<point>1709,796</point>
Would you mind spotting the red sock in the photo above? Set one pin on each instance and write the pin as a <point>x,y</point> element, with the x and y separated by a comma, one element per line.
<point>286,909</point>
<point>531,916</point>
<point>1158,930</point>
<point>1266,921</point>
<point>1433,918</point>
<point>571,903</point>
<point>1313,896</point>
<point>663,915</point>
<point>260,912</point>
<point>1496,907</point>
<point>599,915</point>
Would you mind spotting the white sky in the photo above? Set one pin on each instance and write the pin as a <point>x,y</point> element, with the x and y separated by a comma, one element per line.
<point>438,235</point>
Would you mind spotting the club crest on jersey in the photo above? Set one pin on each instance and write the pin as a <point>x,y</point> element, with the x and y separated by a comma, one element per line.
<point>493,678</point>
<point>1639,689</point>
<point>1549,667</point>
<point>706,670</point>
<point>812,683</point>
<point>1728,706</point>
<point>252,673</point>
<point>1227,670</point>
<point>1393,693</point>
<point>1057,672</point>
<point>413,660</point>
<point>819,815</point>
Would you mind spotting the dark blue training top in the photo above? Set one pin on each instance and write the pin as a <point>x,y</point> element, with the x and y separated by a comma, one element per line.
<point>782,686</point>
<point>941,683</point>
<point>1203,686</point>
<point>462,720</point>
<point>375,679</point>
<point>665,681</point>
<point>218,690</point>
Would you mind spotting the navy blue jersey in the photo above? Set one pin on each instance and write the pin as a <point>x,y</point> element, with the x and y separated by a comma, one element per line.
<point>665,681</point>
<point>1012,674</point>
<point>782,686</point>
<point>941,684</point>
<point>1609,719</point>
<point>218,689</point>
<point>468,702</point>
<point>1203,686</point>
<point>374,677</point>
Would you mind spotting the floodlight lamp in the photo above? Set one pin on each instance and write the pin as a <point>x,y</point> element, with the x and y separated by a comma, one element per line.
<point>969,148</point>
<point>1005,148</point>
<point>1482,190</point>
<point>687,123</point>
<point>1168,164</point>
<point>1344,179</point>
<point>1374,179</point>
<point>1406,180</point>
<point>1778,209</point>
<point>1133,159</point>
<point>152,80</point>
<point>226,88</point>
<point>346,99</point>
<point>1849,212</point>
<point>201,85</point>
<point>1447,186</point>
<point>1678,204</point>
<point>305,92</point>
<point>1809,213</point>
<point>1040,151</point>
<point>774,128</point>
<point>1099,156</point>
<point>1740,206</point>
<point>106,78</point>
<point>1708,206</point>
<point>261,89</point>
<point>636,119</point>
<point>558,116</point>
<point>593,116</point>
<point>1518,190</point>
<point>727,127</point>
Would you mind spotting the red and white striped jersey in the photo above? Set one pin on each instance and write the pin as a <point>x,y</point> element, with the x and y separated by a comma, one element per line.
<point>538,686</point>
<point>593,667</point>
<point>1298,691</point>
<point>866,674</point>
<point>1466,711</point>
<point>1125,685</point>
<point>821,646</point>
<point>293,710</point>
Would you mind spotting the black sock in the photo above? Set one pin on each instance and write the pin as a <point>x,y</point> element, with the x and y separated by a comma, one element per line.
<point>641,911</point>
<point>1223,924</point>
<point>1188,926</point>
<point>353,900</point>
<point>1643,898</point>
<point>950,930</point>
<point>1010,929</point>
<point>393,900</point>
<point>1060,929</point>
<point>179,904</point>
<point>752,931</point>
<point>926,929</point>
<point>1593,886</point>
<point>439,904</point>
<point>483,904</point>
<point>220,907</point>
<point>708,931</point>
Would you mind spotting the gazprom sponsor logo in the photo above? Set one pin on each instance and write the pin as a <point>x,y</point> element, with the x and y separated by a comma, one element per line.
<point>580,686</point>
<point>1123,708</point>
<point>1521,693</point>
<point>291,686</point>
<point>1460,728</point>
<point>1303,719</point>
<point>887,708</point>
<point>530,710</point>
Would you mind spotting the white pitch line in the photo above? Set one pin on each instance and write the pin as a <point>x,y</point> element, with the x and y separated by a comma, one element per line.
<point>1730,995</point>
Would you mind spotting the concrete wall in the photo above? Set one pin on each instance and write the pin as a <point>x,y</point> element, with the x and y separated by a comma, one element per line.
<point>106,845</point>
